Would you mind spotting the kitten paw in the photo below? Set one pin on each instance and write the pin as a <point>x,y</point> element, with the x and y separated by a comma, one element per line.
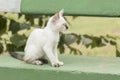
<point>37,62</point>
<point>57,64</point>
<point>61,63</point>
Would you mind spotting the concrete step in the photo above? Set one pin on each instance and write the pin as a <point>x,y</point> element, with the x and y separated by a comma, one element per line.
<point>76,68</point>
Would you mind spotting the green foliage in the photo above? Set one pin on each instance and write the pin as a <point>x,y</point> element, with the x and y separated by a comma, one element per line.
<point>2,24</point>
<point>14,33</point>
<point>88,41</point>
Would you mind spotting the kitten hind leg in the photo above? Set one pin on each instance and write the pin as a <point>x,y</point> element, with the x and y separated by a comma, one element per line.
<point>35,62</point>
<point>44,61</point>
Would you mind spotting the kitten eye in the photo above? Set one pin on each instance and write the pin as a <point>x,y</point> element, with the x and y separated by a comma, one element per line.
<point>64,24</point>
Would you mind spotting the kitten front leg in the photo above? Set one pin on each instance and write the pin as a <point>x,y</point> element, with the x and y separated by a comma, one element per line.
<point>56,55</point>
<point>49,53</point>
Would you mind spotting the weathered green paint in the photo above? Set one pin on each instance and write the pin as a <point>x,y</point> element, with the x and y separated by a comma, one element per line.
<point>73,7</point>
<point>75,68</point>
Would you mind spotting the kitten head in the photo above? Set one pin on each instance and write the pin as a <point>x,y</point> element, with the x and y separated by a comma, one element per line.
<point>58,22</point>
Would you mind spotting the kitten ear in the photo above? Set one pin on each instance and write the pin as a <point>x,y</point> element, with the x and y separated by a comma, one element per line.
<point>61,12</point>
<point>56,17</point>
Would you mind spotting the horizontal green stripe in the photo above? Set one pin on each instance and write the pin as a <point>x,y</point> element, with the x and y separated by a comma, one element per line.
<point>75,68</point>
<point>72,7</point>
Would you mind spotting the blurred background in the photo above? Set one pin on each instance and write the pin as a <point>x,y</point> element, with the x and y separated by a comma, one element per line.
<point>89,36</point>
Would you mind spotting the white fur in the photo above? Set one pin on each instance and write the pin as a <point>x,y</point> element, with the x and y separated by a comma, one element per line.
<point>42,43</point>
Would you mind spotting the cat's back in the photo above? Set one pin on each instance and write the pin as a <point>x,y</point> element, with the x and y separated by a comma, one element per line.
<point>36,37</point>
<point>37,32</point>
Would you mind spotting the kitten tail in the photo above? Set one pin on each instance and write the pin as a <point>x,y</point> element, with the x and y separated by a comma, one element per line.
<point>17,55</point>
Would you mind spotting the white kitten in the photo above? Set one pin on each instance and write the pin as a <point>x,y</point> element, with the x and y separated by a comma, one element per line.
<point>42,43</point>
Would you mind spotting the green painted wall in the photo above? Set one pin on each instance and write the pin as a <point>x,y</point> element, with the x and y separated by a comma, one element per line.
<point>73,7</point>
<point>30,74</point>
<point>75,68</point>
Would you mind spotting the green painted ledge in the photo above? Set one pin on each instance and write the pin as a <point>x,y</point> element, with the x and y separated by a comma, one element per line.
<point>75,68</point>
<point>72,7</point>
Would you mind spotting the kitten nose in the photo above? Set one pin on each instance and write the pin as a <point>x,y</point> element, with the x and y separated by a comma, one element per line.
<point>66,26</point>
